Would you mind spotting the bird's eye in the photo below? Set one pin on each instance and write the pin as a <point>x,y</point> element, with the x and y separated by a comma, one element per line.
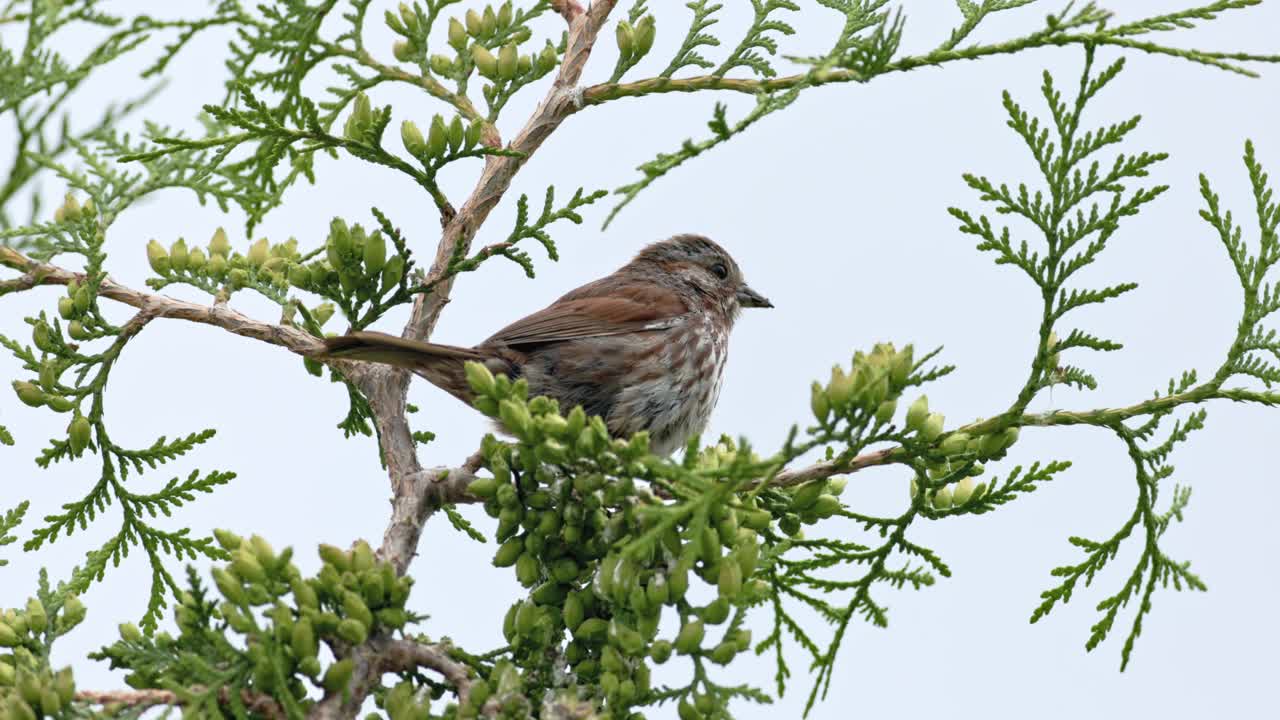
<point>720,270</point>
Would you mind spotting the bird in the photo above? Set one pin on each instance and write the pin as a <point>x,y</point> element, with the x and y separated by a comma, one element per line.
<point>644,348</point>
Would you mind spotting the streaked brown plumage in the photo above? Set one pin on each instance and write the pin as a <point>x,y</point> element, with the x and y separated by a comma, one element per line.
<point>644,347</point>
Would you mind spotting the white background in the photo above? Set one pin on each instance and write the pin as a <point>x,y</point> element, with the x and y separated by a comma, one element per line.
<point>836,209</point>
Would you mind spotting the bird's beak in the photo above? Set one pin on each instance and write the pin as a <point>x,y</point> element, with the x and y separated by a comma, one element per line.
<point>749,298</point>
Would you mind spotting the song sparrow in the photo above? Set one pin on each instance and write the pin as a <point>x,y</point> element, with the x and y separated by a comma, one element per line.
<point>644,347</point>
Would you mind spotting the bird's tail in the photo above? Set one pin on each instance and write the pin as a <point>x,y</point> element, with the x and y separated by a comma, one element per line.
<point>442,365</point>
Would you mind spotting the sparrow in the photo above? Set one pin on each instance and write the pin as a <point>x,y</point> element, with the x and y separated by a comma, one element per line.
<point>644,348</point>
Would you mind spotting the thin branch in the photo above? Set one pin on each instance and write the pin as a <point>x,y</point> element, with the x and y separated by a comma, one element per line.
<point>161,306</point>
<point>569,9</point>
<point>257,702</point>
<point>407,655</point>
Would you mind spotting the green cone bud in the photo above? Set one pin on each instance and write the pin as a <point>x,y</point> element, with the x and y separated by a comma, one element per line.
<point>954,444</point>
<point>508,61</point>
<point>932,427</point>
<point>626,40</point>
<point>457,35</point>
<point>645,31</point>
<point>258,252</point>
<point>130,633</point>
<point>66,308</point>
<point>918,413</point>
<point>489,21</point>
<point>196,260</point>
<point>962,492</point>
<point>886,411</point>
<point>303,639</point>
<point>218,244</point>
<point>412,138</point>
<point>437,137</point>
<point>78,434</point>
<point>486,63</point>
<point>942,499</point>
<point>474,23</point>
<point>819,403</point>
<point>353,631</point>
<point>37,618</point>
<point>723,653</point>
<point>73,612</point>
<point>178,255</point>
<point>375,254</point>
<point>29,393</point>
<point>338,675</point>
<point>441,65</point>
<point>690,637</point>
<point>217,265</point>
<point>457,134</point>
<point>158,257</point>
<point>321,313</point>
<point>402,50</point>
<point>730,581</point>
<point>8,637</point>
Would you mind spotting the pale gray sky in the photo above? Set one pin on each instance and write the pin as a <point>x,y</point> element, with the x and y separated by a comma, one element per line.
<point>836,209</point>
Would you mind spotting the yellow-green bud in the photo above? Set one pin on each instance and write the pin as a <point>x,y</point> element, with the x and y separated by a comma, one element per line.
<point>402,50</point>
<point>66,308</point>
<point>486,63</point>
<point>437,137</point>
<point>474,23</point>
<point>353,631</point>
<point>840,389</point>
<point>130,633</point>
<point>489,23</point>
<point>942,498</point>
<point>73,612</point>
<point>218,244</point>
<point>962,492</point>
<point>730,581</point>
<point>818,402</point>
<point>412,138</point>
<point>42,336</point>
<point>338,675</point>
<point>71,208</point>
<point>457,134</point>
<point>480,378</point>
<point>375,254</point>
<point>29,393</point>
<point>37,618</point>
<point>322,312</point>
<point>247,567</point>
<point>918,413</point>
<point>258,252</point>
<point>690,637</point>
<point>932,427</point>
<point>217,265</point>
<point>886,411</point>
<point>457,35</point>
<point>393,273</point>
<point>195,260</point>
<point>954,443</point>
<point>78,434</point>
<point>158,257</point>
<point>626,40</point>
<point>508,61</point>
<point>303,639</point>
<point>178,255</point>
<point>8,636</point>
<point>645,32</point>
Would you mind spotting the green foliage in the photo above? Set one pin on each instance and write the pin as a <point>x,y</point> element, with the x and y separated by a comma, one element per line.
<point>868,45</point>
<point>282,618</point>
<point>8,522</point>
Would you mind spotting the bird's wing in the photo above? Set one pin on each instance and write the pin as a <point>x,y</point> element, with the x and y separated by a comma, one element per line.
<point>595,310</point>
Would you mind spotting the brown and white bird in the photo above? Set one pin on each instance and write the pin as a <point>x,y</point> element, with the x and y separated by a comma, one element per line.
<point>644,348</point>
